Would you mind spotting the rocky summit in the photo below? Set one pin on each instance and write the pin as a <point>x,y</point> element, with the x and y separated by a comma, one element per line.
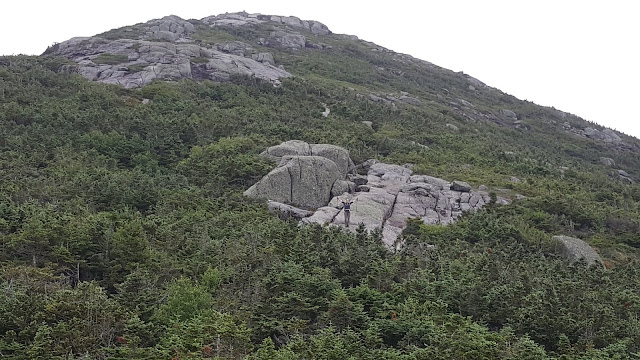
<point>171,48</point>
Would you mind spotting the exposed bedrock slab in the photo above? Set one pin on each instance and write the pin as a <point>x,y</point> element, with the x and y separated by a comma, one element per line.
<point>163,49</point>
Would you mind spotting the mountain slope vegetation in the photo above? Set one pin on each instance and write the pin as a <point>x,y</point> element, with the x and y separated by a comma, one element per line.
<point>124,233</point>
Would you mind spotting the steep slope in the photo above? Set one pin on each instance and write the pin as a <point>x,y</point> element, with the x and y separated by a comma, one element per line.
<point>124,232</point>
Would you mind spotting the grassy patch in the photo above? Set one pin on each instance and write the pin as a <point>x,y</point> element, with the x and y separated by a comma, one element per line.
<point>127,32</point>
<point>210,36</point>
<point>110,59</point>
<point>136,68</point>
<point>199,60</point>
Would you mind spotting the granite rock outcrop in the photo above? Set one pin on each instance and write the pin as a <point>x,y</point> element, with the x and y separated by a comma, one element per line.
<point>321,176</point>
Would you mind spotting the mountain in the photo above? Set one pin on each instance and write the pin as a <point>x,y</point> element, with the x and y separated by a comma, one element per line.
<point>125,233</point>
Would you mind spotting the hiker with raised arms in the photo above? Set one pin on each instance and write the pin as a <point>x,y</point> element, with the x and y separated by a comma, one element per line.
<point>346,207</point>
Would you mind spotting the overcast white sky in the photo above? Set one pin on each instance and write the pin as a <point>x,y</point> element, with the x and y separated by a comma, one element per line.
<point>578,56</point>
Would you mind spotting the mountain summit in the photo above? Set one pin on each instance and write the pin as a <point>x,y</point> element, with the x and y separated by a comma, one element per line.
<point>218,47</point>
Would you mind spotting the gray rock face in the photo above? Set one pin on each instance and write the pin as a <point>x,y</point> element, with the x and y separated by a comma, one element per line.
<point>358,179</point>
<point>574,249</point>
<point>623,173</point>
<point>233,19</point>
<point>337,154</point>
<point>301,180</point>
<point>393,194</point>
<point>286,40</point>
<point>475,82</point>
<point>135,63</point>
<point>169,28</point>
<point>460,186</point>
<point>410,100</point>
<point>315,27</point>
<point>291,147</point>
<point>246,19</point>
<point>607,135</point>
<point>439,184</point>
<point>624,176</point>
<point>237,48</point>
<point>265,58</point>
<point>341,187</point>
<point>319,28</point>
<point>323,216</point>
<point>164,50</point>
<point>363,188</point>
<point>318,176</point>
<point>287,211</point>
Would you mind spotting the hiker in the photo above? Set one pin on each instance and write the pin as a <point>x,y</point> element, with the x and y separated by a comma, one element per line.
<point>346,206</point>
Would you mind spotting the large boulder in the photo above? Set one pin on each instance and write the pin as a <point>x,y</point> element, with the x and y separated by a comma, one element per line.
<point>341,187</point>
<point>318,28</point>
<point>286,40</point>
<point>358,179</point>
<point>323,216</point>
<point>337,154</point>
<point>574,249</point>
<point>439,183</point>
<point>390,177</point>
<point>606,135</point>
<point>264,58</point>
<point>304,181</point>
<point>291,147</point>
<point>460,186</point>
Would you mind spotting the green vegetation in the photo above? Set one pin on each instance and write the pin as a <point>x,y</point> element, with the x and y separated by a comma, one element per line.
<point>110,59</point>
<point>199,60</point>
<point>127,32</point>
<point>211,35</point>
<point>124,233</point>
<point>136,67</point>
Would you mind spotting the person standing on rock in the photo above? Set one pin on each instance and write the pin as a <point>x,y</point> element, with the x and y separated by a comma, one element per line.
<point>346,207</point>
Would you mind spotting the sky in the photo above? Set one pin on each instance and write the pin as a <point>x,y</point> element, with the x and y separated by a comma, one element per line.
<point>581,57</point>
